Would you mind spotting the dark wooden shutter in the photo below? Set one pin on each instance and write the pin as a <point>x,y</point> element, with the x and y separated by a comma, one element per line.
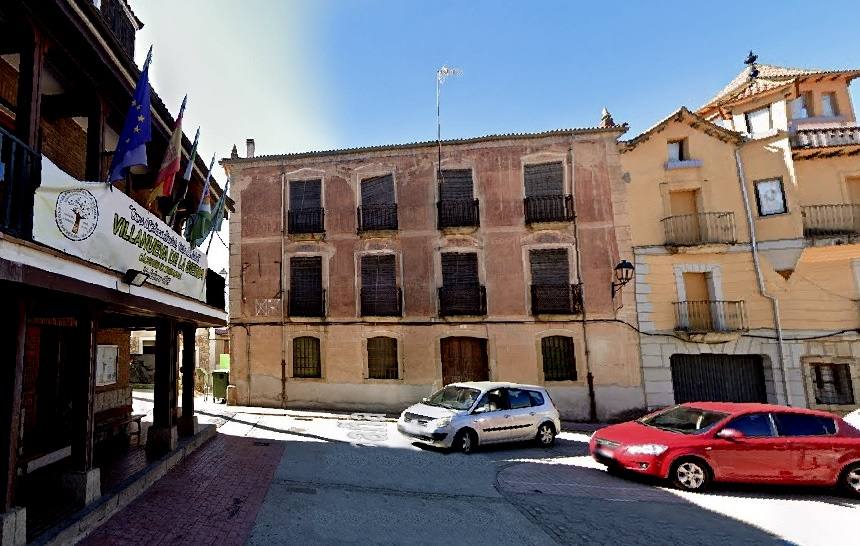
<point>559,360</point>
<point>378,190</point>
<point>382,358</point>
<point>549,267</point>
<point>544,179</point>
<point>460,269</point>
<point>306,273</point>
<point>306,357</point>
<point>456,185</point>
<point>305,194</point>
<point>378,271</point>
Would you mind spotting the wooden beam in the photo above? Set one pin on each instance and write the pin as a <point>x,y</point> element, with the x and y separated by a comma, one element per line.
<point>30,70</point>
<point>13,329</point>
<point>189,348</point>
<point>84,391</point>
<point>95,139</point>
<point>65,105</point>
<point>164,413</point>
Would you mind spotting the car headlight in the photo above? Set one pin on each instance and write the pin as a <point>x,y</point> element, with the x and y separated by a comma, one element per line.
<point>442,423</point>
<point>647,449</point>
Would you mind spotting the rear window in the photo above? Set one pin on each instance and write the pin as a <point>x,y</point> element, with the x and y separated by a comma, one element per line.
<point>519,399</point>
<point>537,398</point>
<point>799,424</point>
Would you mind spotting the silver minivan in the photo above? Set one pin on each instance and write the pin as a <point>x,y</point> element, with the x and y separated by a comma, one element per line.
<point>465,415</point>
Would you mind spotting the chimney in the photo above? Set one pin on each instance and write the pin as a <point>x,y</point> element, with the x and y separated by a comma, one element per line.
<point>606,119</point>
<point>249,147</point>
<point>234,153</point>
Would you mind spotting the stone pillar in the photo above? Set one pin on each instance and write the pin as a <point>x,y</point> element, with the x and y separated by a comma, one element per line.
<point>83,481</point>
<point>162,435</point>
<point>188,421</point>
<point>13,520</point>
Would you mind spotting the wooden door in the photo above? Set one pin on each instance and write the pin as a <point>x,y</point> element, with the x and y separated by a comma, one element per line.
<point>698,301</point>
<point>683,206</point>
<point>464,359</point>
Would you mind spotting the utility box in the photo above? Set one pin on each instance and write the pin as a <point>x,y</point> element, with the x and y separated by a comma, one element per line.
<point>220,380</point>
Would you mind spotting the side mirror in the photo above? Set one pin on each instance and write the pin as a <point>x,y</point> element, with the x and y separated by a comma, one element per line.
<point>480,409</point>
<point>730,434</point>
<point>425,399</point>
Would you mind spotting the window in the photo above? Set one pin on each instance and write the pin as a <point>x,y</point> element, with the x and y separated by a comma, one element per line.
<point>451,397</point>
<point>106,360</point>
<point>770,197</point>
<point>382,358</point>
<point>307,297</point>
<point>379,293</point>
<point>544,179</point>
<point>519,399</point>
<point>828,105</point>
<point>306,357</point>
<point>545,198</point>
<point>460,269</point>
<point>759,121</point>
<point>800,424</point>
<point>559,362</point>
<point>800,107</point>
<point>684,420</point>
<point>551,290</point>
<point>455,185</point>
<point>549,266</point>
<point>494,400</point>
<point>754,425</point>
<point>832,384</point>
<point>678,150</point>
<point>457,206</point>
<point>461,292</point>
<point>148,346</point>
<point>305,214</point>
<point>378,209</point>
<point>537,398</point>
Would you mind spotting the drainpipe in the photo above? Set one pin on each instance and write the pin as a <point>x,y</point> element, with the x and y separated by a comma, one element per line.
<point>777,322</point>
<point>589,377</point>
<point>283,293</point>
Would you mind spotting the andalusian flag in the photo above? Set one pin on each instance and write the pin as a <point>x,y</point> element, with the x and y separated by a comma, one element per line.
<point>170,164</point>
<point>200,224</point>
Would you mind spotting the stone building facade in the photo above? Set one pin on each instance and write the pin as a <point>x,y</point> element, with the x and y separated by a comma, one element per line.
<point>367,278</point>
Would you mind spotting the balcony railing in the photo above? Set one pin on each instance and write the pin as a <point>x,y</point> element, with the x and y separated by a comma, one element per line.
<point>306,220</point>
<point>119,23</point>
<point>382,301</point>
<point>831,220</point>
<point>710,316</point>
<point>376,217</point>
<point>700,228</point>
<point>462,300</point>
<point>458,213</point>
<point>549,208</point>
<point>559,299</point>
<point>821,138</point>
<point>306,303</point>
<point>20,175</point>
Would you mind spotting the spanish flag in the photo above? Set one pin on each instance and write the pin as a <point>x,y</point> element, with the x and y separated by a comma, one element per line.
<point>170,163</point>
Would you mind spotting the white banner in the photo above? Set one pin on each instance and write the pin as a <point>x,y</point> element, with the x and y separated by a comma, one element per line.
<point>104,226</point>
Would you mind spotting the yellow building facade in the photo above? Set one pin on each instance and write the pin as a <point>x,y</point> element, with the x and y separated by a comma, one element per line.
<point>746,237</point>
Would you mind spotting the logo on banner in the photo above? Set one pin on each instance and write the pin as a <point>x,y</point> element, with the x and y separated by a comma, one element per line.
<point>77,214</point>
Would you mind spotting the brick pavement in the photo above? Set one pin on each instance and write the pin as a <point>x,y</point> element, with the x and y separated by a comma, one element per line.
<point>212,497</point>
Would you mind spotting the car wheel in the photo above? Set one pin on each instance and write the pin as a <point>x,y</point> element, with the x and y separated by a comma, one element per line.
<point>690,475</point>
<point>850,481</point>
<point>466,441</point>
<point>546,435</point>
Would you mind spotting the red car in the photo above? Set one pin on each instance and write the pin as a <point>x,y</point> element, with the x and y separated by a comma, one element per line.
<point>696,443</point>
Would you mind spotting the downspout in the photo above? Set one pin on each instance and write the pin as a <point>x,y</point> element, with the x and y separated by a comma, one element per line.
<point>777,322</point>
<point>283,294</point>
<point>589,377</point>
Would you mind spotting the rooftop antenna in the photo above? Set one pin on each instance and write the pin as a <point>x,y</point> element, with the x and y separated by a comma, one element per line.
<point>441,75</point>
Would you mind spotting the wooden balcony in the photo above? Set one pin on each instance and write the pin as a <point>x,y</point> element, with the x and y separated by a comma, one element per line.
<point>710,316</point>
<point>700,229</point>
<point>831,220</point>
<point>20,175</point>
<point>560,299</point>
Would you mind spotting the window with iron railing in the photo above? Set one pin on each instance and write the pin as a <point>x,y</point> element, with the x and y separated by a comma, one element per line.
<point>559,360</point>
<point>306,214</point>
<point>545,199</point>
<point>461,292</point>
<point>551,289</point>
<point>457,206</point>
<point>710,316</point>
<point>378,210</point>
<point>20,175</point>
<point>306,357</point>
<point>382,358</point>
<point>380,295</point>
<point>306,294</point>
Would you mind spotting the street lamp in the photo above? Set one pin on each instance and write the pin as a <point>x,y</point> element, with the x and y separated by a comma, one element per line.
<point>623,275</point>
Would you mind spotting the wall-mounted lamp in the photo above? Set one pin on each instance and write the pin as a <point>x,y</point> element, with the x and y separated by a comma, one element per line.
<point>623,275</point>
<point>134,277</point>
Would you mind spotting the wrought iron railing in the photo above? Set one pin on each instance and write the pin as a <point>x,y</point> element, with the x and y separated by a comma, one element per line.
<point>375,217</point>
<point>556,299</point>
<point>822,138</point>
<point>830,220</point>
<point>122,27</point>
<point>381,301</point>
<point>20,175</point>
<point>548,208</point>
<point>710,316</point>
<point>458,213</point>
<point>306,220</point>
<point>700,228</point>
<point>462,300</point>
<point>306,303</point>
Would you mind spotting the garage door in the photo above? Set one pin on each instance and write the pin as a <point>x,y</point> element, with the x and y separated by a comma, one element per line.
<point>718,378</point>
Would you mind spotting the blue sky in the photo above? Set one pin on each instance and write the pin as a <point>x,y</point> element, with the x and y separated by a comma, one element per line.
<point>317,74</point>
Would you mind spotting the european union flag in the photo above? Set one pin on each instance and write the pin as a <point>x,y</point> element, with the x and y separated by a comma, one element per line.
<point>130,153</point>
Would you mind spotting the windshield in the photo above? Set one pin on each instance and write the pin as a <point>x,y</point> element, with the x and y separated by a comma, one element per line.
<point>684,419</point>
<point>452,397</point>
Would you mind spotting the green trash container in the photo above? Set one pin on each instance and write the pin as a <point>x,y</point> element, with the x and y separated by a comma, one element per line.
<point>220,380</point>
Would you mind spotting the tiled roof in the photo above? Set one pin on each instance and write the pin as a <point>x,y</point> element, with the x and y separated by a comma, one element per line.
<point>769,77</point>
<point>692,119</point>
<point>616,129</point>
